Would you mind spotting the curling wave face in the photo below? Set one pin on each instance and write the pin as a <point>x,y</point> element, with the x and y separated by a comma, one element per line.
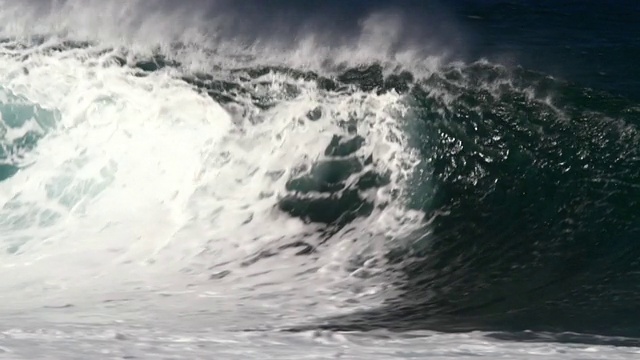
<point>531,187</point>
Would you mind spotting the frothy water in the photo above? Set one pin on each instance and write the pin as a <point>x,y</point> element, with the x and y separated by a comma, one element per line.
<point>142,187</point>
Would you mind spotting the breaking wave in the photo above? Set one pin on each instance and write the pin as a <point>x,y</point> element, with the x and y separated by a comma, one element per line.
<point>367,181</point>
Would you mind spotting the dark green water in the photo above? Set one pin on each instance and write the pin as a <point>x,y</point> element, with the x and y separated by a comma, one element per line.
<point>533,185</point>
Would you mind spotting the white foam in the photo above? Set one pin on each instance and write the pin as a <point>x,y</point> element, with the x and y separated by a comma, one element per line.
<point>120,341</point>
<point>145,183</point>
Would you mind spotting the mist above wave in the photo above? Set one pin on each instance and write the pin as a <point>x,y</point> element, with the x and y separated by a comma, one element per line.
<point>205,34</point>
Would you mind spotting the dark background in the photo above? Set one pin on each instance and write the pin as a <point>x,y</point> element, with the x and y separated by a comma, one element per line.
<point>594,43</point>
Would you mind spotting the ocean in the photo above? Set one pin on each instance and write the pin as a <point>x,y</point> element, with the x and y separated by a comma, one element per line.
<point>319,179</point>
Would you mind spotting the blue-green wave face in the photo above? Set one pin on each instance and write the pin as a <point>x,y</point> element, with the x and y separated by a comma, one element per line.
<point>23,124</point>
<point>533,186</point>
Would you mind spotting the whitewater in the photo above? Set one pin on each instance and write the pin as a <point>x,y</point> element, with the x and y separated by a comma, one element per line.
<point>148,202</point>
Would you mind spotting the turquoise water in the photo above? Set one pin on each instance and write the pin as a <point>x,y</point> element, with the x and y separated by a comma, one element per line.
<point>23,123</point>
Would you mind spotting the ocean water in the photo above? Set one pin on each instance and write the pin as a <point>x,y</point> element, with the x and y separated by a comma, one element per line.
<point>319,179</point>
